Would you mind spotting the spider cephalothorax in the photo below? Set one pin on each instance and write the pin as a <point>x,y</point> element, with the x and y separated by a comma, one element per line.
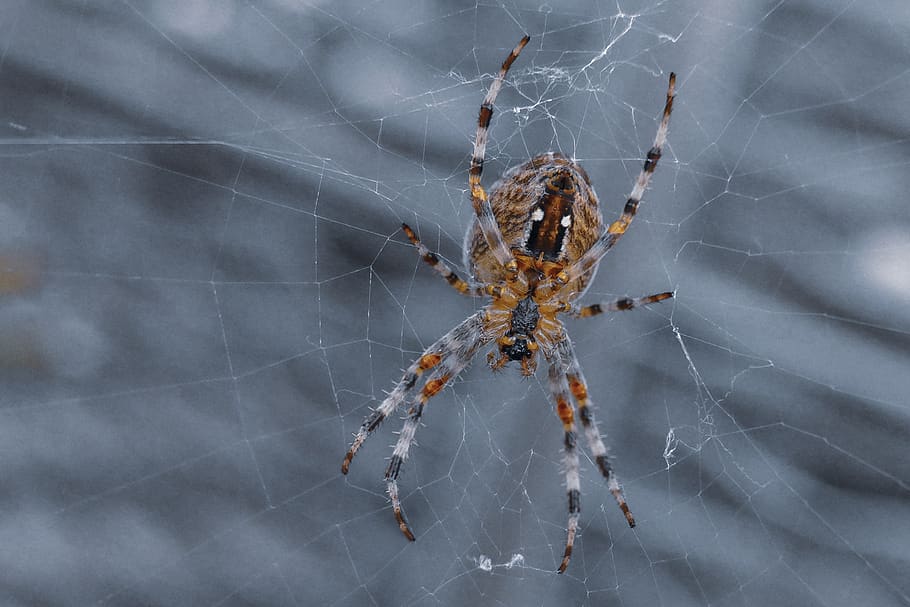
<point>519,342</point>
<point>533,249</point>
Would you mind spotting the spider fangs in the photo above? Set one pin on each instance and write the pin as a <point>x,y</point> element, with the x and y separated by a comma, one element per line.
<point>533,248</point>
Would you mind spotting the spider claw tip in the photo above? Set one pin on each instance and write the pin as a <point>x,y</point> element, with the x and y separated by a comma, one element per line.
<point>403,525</point>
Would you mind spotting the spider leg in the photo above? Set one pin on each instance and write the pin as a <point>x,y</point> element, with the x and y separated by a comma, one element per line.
<point>431,357</point>
<point>457,349</point>
<point>619,305</point>
<point>606,241</point>
<point>437,264</point>
<point>559,390</point>
<point>585,413</point>
<point>479,198</point>
<point>396,397</point>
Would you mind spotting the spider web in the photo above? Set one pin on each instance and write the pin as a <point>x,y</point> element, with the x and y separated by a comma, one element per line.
<point>205,288</point>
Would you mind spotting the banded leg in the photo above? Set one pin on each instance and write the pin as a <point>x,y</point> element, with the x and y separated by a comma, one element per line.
<point>459,347</point>
<point>441,268</point>
<point>433,355</point>
<point>603,244</point>
<point>619,305</point>
<point>479,199</point>
<point>596,445</point>
<point>559,390</point>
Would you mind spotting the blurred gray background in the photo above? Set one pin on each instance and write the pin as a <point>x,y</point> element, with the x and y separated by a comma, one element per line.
<point>204,288</point>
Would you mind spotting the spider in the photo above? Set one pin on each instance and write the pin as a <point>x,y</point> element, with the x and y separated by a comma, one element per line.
<point>533,249</point>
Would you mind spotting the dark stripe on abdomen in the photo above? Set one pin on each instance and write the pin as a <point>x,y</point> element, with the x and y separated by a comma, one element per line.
<point>547,233</point>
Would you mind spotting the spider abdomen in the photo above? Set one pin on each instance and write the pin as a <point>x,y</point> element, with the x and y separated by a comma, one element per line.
<point>544,207</point>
